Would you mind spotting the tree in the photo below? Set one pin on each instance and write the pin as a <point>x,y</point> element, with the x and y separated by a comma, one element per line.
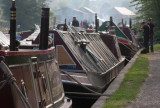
<point>147,9</point>
<point>28,12</point>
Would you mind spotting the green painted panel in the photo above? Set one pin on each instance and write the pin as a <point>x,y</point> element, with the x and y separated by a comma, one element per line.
<point>23,59</point>
<point>119,33</point>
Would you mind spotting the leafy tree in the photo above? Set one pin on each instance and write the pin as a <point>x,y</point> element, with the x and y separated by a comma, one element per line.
<point>147,9</point>
<point>28,12</point>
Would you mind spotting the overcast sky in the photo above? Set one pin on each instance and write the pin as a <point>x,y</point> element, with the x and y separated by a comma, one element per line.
<point>79,3</point>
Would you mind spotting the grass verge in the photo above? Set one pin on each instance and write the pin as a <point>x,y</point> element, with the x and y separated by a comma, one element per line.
<point>157,47</point>
<point>130,86</point>
<point>132,82</point>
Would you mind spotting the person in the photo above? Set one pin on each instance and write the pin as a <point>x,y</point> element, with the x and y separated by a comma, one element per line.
<point>1,47</point>
<point>151,25</point>
<point>146,33</point>
<point>75,22</point>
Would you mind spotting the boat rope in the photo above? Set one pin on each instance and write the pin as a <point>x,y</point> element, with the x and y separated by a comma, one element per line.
<point>94,93</point>
<point>2,84</point>
<point>11,80</point>
<point>87,94</point>
<point>127,60</point>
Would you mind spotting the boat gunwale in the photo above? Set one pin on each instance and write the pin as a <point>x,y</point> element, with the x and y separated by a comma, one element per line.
<point>26,52</point>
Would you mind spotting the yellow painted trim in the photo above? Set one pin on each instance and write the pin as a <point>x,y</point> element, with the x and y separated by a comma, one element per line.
<point>13,12</point>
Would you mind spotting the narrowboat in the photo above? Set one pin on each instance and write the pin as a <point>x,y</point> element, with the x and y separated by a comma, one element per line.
<point>126,38</point>
<point>87,64</point>
<point>30,76</point>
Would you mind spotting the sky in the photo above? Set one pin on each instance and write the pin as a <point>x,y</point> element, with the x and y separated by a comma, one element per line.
<point>102,7</point>
<point>80,2</point>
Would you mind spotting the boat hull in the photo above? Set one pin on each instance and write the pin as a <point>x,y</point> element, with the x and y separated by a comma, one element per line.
<point>97,85</point>
<point>37,76</point>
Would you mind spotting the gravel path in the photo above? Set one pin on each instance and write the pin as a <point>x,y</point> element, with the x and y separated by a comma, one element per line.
<point>149,96</point>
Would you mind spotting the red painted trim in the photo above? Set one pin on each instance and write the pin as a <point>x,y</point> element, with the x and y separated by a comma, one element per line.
<point>120,40</point>
<point>27,52</point>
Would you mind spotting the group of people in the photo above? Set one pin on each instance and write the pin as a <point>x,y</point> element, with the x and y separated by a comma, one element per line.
<point>83,24</point>
<point>148,32</point>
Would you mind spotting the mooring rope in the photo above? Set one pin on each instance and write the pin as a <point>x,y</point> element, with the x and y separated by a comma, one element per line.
<point>2,84</point>
<point>11,80</point>
<point>94,93</point>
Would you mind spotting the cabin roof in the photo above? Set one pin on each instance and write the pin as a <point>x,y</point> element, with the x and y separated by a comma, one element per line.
<point>68,10</point>
<point>96,54</point>
<point>124,11</point>
<point>4,40</point>
<point>34,35</point>
<point>87,10</point>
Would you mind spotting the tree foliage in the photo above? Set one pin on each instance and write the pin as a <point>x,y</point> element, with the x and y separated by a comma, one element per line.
<point>148,9</point>
<point>28,12</point>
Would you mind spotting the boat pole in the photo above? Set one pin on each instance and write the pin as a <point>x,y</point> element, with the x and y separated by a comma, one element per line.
<point>122,22</point>
<point>111,21</point>
<point>65,25</point>
<point>130,23</point>
<point>44,29</point>
<point>96,23</point>
<point>12,31</point>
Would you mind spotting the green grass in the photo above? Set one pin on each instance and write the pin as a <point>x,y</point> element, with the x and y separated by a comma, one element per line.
<point>132,82</point>
<point>157,47</point>
<point>130,86</point>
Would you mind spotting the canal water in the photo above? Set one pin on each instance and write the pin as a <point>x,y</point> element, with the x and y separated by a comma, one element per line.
<point>83,103</point>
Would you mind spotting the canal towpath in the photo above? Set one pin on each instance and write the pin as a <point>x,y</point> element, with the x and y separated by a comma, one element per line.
<point>149,96</point>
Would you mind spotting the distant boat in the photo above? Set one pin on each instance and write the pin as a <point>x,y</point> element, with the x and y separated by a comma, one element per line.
<point>127,41</point>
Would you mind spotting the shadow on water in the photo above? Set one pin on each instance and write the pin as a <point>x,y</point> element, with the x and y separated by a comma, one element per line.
<point>82,103</point>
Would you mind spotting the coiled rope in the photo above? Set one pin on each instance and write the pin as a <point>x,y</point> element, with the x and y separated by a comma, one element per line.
<point>11,80</point>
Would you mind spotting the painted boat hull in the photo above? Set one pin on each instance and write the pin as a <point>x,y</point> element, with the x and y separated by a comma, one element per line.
<point>39,80</point>
<point>88,72</point>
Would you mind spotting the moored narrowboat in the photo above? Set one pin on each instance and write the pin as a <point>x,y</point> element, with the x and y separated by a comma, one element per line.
<point>86,63</point>
<point>30,78</point>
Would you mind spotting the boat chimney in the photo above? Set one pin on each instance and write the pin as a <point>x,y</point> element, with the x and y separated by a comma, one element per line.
<point>96,23</point>
<point>111,21</point>
<point>83,44</point>
<point>125,23</point>
<point>12,31</point>
<point>122,22</point>
<point>44,29</point>
<point>65,26</point>
<point>130,23</point>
